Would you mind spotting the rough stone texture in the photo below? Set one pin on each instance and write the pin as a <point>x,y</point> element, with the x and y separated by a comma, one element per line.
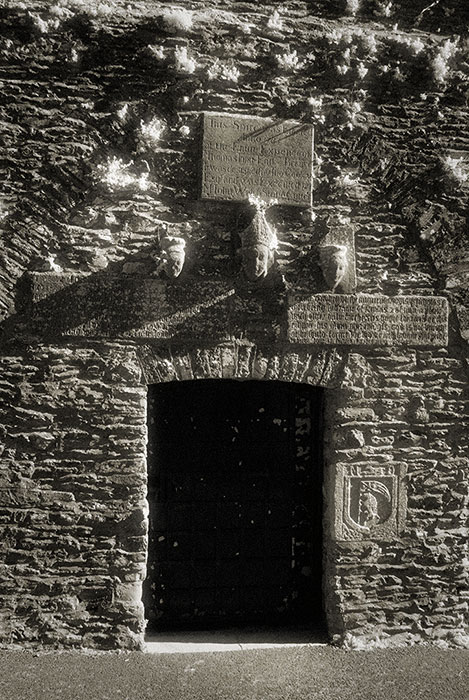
<point>75,467</point>
<point>416,586</point>
<point>83,82</point>
<point>73,506</point>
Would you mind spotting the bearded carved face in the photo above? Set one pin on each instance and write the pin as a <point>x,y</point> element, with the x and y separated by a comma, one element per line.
<point>257,260</point>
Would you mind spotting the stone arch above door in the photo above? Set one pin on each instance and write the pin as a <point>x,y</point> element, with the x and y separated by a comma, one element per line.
<point>324,367</point>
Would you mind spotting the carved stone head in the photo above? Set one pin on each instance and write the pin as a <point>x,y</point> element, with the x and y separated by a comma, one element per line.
<point>174,255</point>
<point>257,260</point>
<point>333,260</point>
<point>258,243</point>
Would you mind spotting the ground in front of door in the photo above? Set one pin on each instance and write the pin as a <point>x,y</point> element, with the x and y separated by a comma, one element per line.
<point>295,673</point>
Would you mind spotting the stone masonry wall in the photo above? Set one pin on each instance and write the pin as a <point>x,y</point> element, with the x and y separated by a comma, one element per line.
<point>73,488</point>
<point>101,119</point>
<point>382,407</point>
<point>101,133</point>
<point>74,484</point>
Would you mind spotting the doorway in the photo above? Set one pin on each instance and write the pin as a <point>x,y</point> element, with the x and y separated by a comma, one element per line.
<point>235,497</point>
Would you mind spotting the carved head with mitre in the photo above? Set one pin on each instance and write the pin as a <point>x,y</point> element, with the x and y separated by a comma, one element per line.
<point>258,243</point>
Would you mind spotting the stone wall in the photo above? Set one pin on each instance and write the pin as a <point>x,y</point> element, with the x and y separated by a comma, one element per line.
<point>73,487</point>
<point>102,136</point>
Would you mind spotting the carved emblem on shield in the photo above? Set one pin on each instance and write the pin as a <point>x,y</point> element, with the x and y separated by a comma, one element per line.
<point>370,501</point>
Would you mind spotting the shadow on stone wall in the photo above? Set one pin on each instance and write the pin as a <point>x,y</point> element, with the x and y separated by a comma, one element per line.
<point>106,305</point>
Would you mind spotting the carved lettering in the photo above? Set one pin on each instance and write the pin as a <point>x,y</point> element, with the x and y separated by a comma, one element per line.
<point>252,155</point>
<point>368,320</point>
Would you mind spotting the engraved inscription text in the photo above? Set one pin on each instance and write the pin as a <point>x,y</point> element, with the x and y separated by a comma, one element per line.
<point>252,155</point>
<point>369,320</point>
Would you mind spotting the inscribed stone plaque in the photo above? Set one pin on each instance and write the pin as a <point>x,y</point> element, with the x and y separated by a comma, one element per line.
<point>370,501</point>
<point>245,155</point>
<point>110,306</point>
<point>113,306</point>
<point>348,319</point>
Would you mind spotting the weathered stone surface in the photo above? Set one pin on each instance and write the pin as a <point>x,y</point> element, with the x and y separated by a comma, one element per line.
<point>248,155</point>
<point>368,320</point>
<point>88,181</point>
<point>111,306</point>
<point>93,405</point>
<point>370,501</point>
<point>83,488</point>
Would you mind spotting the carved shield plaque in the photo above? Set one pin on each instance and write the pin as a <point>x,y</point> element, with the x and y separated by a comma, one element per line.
<point>370,501</point>
<point>244,155</point>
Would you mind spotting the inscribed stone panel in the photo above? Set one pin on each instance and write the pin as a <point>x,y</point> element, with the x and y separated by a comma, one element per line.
<point>244,155</point>
<point>113,306</point>
<point>124,306</point>
<point>347,319</point>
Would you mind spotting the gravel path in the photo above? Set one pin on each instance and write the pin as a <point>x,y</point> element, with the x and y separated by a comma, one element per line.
<point>313,673</point>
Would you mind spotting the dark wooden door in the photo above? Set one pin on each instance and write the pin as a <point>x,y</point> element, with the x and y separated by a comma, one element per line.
<point>235,478</point>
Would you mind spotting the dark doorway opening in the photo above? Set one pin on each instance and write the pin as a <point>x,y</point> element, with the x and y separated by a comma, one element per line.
<point>235,497</point>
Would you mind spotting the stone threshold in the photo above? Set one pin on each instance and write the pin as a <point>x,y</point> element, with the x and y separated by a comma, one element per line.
<point>231,639</point>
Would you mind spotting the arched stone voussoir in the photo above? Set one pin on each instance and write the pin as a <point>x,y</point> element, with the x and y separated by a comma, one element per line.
<point>317,366</point>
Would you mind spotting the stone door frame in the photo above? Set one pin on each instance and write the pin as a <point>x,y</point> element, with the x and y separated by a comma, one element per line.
<point>339,371</point>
